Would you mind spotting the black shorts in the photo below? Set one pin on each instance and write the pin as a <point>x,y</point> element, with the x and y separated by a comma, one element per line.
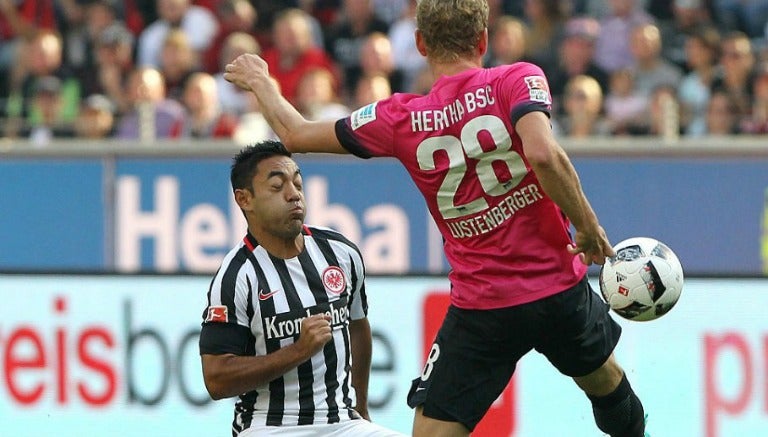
<point>476,351</point>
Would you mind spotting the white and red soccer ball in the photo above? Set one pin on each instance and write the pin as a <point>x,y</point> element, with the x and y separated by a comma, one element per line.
<point>643,281</point>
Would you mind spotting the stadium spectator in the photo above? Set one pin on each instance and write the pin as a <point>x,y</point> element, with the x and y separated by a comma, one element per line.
<point>577,52</point>
<point>390,10</point>
<point>325,11</point>
<point>687,16</point>
<point>96,119</point>
<point>309,382</point>
<point>268,12</point>
<point>376,58</point>
<point>205,118</point>
<point>757,122</point>
<point>178,61</point>
<point>23,18</point>
<point>114,63</point>
<point>42,57</point>
<point>234,16</point>
<point>597,9</point>
<point>47,104</point>
<point>650,70</point>
<point>19,19</point>
<point>407,58</point>
<point>507,43</point>
<point>294,53</point>
<point>663,116</point>
<point>625,107</point>
<point>721,118</point>
<point>152,115</point>
<point>746,16</point>
<point>583,104</point>
<point>371,89</point>
<point>612,46</point>
<point>198,24</point>
<point>131,13</point>
<point>702,49</point>
<point>345,39</point>
<point>71,24</point>
<point>545,19</point>
<point>82,42</point>
<point>736,73</point>
<point>316,97</point>
<point>231,98</point>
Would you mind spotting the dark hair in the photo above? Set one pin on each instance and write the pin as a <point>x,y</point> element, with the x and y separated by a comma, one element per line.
<point>244,164</point>
<point>709,37</point>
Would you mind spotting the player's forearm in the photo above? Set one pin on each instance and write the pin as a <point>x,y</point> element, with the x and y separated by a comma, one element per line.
<point>298,134</point>
<point>231,375</point>
<point>284,119</point>
<point>360,337</point>
<point>560,182</point>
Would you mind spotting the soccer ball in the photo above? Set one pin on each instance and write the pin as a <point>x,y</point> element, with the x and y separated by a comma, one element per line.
<point>643,281</point>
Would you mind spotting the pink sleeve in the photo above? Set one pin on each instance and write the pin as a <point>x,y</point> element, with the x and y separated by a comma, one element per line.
<point>368,131</point>
<point>527,90</point>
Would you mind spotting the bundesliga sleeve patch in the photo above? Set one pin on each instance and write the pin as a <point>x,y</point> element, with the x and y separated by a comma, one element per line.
<point>538,90</point>
<point>217,313</point>
<point>363,116</point>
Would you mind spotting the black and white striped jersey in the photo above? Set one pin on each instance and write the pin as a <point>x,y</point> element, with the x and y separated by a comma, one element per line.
<point>255,306</point>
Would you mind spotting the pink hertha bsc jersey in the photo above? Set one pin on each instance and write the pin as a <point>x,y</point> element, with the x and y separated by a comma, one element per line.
<point>505,239</point>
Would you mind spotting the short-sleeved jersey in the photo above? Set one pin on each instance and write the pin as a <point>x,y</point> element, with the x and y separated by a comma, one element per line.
<point>505,239</point>
<point>256,303</point>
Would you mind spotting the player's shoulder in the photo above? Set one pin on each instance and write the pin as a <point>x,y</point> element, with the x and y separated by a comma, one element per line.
<point>236,258</point>
<point>518,70</point>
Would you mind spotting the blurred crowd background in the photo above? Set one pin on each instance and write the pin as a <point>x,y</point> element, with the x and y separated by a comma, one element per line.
<point>153,69</point>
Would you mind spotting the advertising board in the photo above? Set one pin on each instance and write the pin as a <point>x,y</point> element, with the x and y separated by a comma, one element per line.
<point>176,215</point>
<point>117,355</point>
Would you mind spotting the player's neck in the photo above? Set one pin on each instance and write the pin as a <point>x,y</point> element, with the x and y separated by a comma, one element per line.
<point>454,67</point>
<point>279,247</point>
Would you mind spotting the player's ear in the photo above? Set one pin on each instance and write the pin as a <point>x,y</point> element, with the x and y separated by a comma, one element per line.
<point>482,45</point>
<point>421,46</point>
<point>243,197</point>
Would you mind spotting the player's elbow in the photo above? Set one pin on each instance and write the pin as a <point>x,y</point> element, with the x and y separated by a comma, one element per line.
<point>216,390</point>
<point>218,385</point>
<point>291,141</point>
<point>543,156</point>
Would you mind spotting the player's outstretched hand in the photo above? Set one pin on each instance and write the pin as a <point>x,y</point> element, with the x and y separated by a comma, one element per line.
<point>592,247</point>
<point>244,69</point>
<point>315,333</point>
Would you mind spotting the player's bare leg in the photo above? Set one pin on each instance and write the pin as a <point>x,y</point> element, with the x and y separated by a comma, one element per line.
<point>603,380</point>
<point>424,426</point>
<point>616,408</point>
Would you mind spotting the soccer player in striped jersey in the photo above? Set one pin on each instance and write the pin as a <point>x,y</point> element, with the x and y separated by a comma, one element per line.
<point>285,328</point>
<point>504,195</point>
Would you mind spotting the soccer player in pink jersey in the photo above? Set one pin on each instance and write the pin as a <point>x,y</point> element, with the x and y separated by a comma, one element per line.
<point>504,195</point>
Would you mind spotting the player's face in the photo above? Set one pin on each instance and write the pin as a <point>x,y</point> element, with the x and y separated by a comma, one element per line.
<point>278,197</point>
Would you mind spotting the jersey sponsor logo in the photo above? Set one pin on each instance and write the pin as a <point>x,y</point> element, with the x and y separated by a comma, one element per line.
<point>265,296</point>
<point>363,116</point>
<point>217,313</point>
<point>286,325</point>
<point>538,90</point>
<point>333,280</point>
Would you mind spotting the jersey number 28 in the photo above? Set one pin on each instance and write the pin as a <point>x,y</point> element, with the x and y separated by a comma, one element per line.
<point>469,144</point>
